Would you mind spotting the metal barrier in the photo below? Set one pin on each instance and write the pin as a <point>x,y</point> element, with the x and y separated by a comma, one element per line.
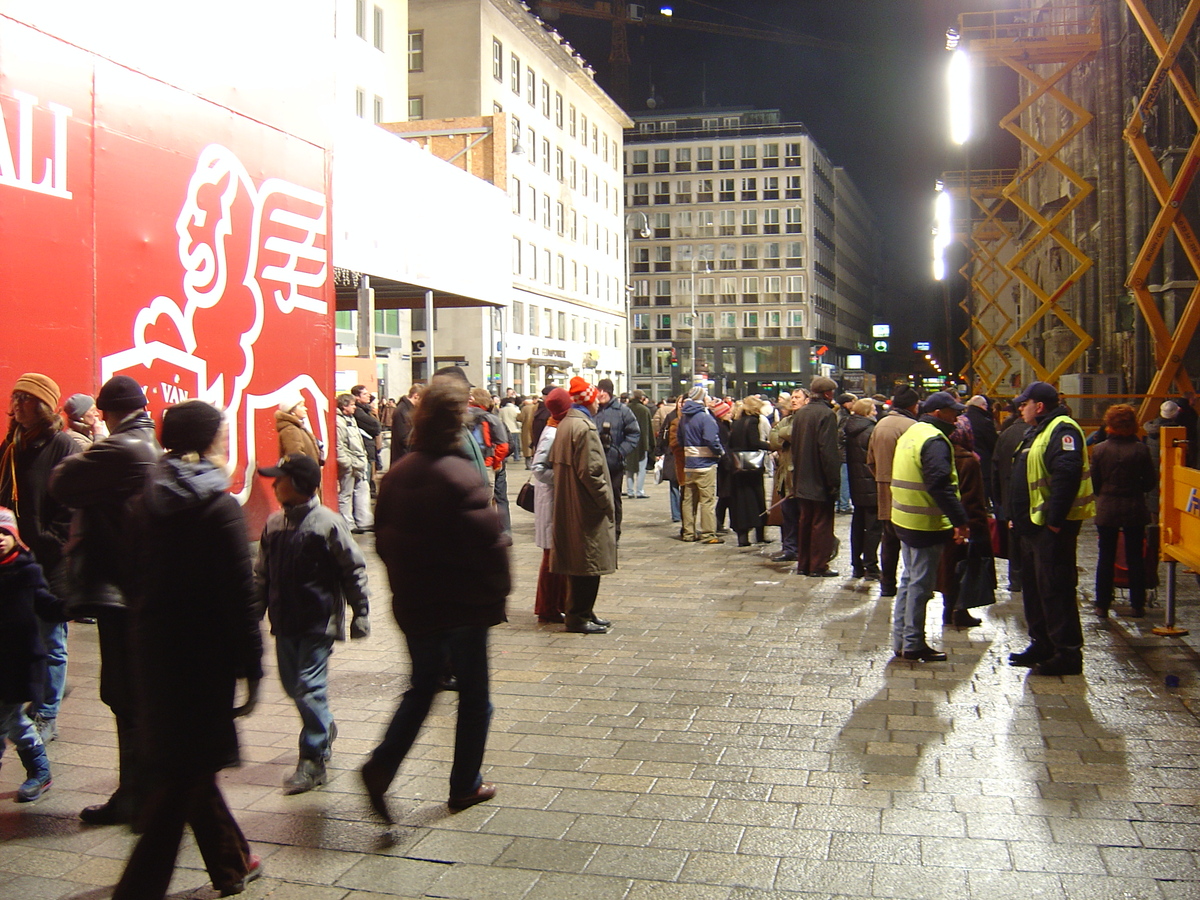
<point>1178,516</point>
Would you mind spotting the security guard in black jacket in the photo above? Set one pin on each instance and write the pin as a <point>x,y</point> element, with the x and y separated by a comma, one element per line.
<point>1050,494</point>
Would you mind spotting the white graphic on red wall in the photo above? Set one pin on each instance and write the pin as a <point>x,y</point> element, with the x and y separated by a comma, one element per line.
<point>253,283</point>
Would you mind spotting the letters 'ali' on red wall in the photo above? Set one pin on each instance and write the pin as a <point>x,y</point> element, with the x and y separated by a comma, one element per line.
<point>148,231</point>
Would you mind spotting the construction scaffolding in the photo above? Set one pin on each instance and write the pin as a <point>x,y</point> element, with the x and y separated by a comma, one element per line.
<point>1169,346</point>
<point>1043,45</point>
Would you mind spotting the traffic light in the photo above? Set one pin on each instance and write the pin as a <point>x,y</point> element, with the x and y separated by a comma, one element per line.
<point>674,358</point>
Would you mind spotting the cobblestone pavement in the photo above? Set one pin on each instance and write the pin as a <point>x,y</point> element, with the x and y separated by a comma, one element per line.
<point>742,734</point>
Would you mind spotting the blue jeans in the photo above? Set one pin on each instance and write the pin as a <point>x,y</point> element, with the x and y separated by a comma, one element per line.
<point>54,636</point>
<point>676,502</point>
<point>843,504</point>
<point>466,648</point>
<point>19,728</point>
<point>638,481</point>
<point>304,673</point>
<point>915,591</point>
<point>500,492</point>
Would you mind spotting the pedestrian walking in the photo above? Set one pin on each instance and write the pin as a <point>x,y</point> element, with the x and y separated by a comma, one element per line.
<point>100,485</point>
<point>308,570</point>
<point>34,445</point>
<point>816,479</point>
<point>1050,495</point>
<point>619,436</point>
<point>447,563</point>
<point>585,539</point>
<point>24,599</point>
<point>927,514</point>
<point>865,528</point>
<point>642,455</point>
<point>354,469</point>
<point>492,438</point>
<point>1122,474</point>
<point>550,604</point>
<point>195,635</point>
<point>880,452</point>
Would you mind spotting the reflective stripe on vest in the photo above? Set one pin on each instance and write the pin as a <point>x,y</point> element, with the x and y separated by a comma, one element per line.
<point>1038,476</point>
<point>913,507</point>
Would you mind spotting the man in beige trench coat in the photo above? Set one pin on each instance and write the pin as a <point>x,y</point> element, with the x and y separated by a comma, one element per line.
<point>585,535</point>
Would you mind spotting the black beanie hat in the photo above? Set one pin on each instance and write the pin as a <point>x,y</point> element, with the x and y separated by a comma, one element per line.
<point>120,392</point>
<point>190,427</point>
<point>904,397</point>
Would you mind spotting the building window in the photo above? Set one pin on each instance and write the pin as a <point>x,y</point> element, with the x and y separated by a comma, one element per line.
<point>709,124</point>
<point>662,192</point>
<point>559,217</point>
<point>749,188</point>
<point>683,159</point>
<point>516,256</point>
<point>704,224</point>
<point>533,320</point>
<point>641,162</point>
<point>794,221</point>
<point>770,256</point>
<point>360,103</point>
<point>770,221</point>
<point>514,74</point>
<point>516,134</point>
<point>585,181</point>
<point>728,222</point>
<point>571,120</point>
<point>533,264</point>
<point>545,99</point>
<point>558,164</point>
<point>684,224</point>
<point>531,86</point>
<point>795,257</point>
<point>583,129</point>
<point>558,109</point>
<point>704,190</point>
<point>560,273</point>
<point>662,160</point>
<point>595,140</point>
<point>360,18</point>
<point>498,60</point>
<point>725,190</point>
<point>683,192</point>
<point>770,155</point>
<point>749,156</point>
<point>516,196</point>
<point>532,203</point>
<point>416,51</point>
<point>377,109</point>
<point>749,221</point>
<point>531,145</point>
<point>546,155</point>
<point>546,273</point>
<point>771,187</point>
<point>546,211</point>
<point>725,158</point>
<point>792,155</point>
<point>750,258</point>
<point>704,159</point>
<point>518,317</point>
<point>378,35</point>
<point>572,175</point>
<point>728,259</point>
<point>794,190</point>
<point>662,225</point>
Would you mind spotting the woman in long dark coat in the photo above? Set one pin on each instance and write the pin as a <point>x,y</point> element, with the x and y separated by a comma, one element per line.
<point>721,411</point>
<point>748,502</point>
<point>1122,472</point>
<point>974,501</point>
<point>195,634</point>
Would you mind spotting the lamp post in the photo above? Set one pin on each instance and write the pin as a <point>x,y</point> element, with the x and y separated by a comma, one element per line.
<point>695,368</point>
<point>643,232</point>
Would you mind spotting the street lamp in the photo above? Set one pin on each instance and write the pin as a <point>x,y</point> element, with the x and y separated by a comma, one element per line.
<point>707,268</point>
<point>643,232</point>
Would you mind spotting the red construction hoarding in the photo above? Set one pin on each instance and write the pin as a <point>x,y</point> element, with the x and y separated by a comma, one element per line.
<point>151,231</point>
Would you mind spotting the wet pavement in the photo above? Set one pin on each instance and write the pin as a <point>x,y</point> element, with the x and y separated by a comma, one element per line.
<point>741,734</point>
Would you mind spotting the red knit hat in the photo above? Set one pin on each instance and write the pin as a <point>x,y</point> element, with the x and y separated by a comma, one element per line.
<point>582,392</point>
<point>8,522</point>
<point>721,409</point>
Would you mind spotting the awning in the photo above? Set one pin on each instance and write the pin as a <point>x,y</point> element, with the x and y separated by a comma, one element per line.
<point>390,294</point>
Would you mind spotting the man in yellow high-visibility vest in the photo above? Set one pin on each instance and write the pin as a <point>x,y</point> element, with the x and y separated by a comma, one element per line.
<point>927,513</point>
<point>1050,494</point>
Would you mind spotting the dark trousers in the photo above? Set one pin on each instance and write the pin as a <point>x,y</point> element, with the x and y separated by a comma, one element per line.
<point>865,532</point>
<point>889,556</point>
<point>814,535</point>
<point>551,600</point>
<point>466,648</point>
<point>789,513</point>
<point>194,800</point>
<point>615,478</point>
<point>1049,577</point>
<point>118,691</point>
<point>1014,555</point>
<point>1134,561</point>
<point>581,599</point>
<point>500,493</point>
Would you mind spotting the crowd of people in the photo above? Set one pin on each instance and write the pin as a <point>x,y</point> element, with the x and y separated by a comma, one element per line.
<point>105,521</point>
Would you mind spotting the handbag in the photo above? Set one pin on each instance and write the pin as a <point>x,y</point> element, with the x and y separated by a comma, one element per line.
<point>749,460</point>
<point>525,496</point>
<point>977,577</point>
<point>658,470</point>
<point>998,530</point>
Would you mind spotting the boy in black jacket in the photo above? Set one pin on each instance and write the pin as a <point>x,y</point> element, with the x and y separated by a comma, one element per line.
<point>23,595</point>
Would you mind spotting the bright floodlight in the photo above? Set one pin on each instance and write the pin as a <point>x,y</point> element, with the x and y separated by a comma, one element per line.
<point>942,231</point>
<point>666,11</point>
<point>958,78</point>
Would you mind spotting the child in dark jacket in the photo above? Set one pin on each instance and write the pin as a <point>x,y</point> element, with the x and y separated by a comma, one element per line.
<point>23,595</point>
<point>308,570</point>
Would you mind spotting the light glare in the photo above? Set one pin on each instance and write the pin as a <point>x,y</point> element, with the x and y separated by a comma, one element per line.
<point>958,82</point>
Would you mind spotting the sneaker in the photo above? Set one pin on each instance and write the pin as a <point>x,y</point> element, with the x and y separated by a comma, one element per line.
<point>33,788</point>
<point>47,729</point>
<point>309,774</point>
<point>254,872</point>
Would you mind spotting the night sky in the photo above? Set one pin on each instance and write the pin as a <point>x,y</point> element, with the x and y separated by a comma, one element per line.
<point>877,107</point>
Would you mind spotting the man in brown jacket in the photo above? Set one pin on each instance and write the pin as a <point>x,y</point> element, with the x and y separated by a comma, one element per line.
<point>880,451</point>
<point>816,478</point>
<point>585,535</point>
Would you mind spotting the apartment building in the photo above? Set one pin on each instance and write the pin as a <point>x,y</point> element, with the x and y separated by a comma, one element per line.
<point>492,66</point>
<point>735,259</point>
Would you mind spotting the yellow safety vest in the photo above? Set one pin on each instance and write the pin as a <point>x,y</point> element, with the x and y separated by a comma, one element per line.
<point>1038,476</point>
<point>913,507</point>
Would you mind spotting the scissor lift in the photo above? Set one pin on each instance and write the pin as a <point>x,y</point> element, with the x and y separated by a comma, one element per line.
<point>1169,347</point>
<point>1042,46</point>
